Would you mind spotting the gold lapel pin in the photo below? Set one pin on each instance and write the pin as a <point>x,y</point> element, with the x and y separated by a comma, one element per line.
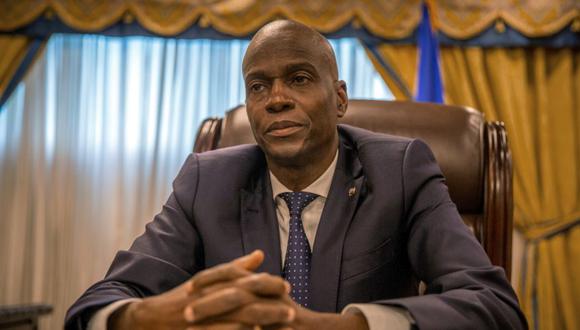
<point>351,191</point>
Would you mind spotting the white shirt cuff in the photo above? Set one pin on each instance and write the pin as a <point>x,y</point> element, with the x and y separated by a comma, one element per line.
<point>381,317</point>
<point>100,319</point>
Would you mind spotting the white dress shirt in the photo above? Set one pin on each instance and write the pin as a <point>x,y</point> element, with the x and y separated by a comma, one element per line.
<point>379,317</point>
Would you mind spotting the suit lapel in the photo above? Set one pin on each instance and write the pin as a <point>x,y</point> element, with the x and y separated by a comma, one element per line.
<point>337,214</point>
<point>259,224</point>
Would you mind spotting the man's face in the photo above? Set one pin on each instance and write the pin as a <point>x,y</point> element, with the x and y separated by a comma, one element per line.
<point>293,99</point>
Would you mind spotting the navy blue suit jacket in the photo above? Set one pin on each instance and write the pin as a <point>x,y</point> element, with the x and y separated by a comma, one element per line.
<point>399,227</point>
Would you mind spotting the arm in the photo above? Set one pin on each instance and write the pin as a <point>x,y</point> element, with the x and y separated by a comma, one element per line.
<point>463,289</point>
<point>166,255</point>
<point>159,267</point>
<point>213,290</point>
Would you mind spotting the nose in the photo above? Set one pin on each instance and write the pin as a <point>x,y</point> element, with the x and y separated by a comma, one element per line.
<point>279,100</point>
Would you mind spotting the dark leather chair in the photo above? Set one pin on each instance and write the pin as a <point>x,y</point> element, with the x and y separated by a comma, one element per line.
<point>22,317</point>
<point>473,154</point>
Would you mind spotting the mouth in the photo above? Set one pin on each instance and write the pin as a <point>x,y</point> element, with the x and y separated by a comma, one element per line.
<point>283,128</point>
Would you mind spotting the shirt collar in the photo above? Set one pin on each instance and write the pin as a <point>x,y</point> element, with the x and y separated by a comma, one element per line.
<point>320,186</point>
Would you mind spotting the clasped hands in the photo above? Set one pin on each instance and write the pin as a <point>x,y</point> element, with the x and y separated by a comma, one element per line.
<point>229,296</point>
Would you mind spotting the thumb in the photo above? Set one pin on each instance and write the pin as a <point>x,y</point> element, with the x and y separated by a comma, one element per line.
<point>250,261</point>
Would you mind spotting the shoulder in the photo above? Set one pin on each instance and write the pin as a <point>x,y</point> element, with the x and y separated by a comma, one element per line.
<point>388,157</point>
<point>231,159</point>
<point>233,167</point>
<point>236,166</point>
<point>371,145</point>
<point>362,137</point>
<point>245,152</point>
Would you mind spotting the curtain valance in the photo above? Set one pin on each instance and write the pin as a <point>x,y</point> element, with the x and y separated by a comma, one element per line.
<point>390,19</point>
<point>464,19</point>
<point>387,19</point>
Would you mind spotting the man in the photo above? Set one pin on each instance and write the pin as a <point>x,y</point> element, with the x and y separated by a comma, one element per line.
<point>344,215</point>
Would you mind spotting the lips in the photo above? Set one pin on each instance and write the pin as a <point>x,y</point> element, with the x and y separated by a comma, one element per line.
<point>283,128</point>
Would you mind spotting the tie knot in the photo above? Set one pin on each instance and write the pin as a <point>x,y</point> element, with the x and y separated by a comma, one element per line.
<point>297,201</point>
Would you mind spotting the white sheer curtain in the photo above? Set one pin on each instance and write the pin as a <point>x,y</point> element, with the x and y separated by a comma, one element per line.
<point>91,140</point>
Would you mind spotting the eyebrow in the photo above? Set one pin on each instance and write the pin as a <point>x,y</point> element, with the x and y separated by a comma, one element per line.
<point>290,68</point>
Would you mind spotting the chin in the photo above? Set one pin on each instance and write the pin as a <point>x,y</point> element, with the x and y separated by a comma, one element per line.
<point>284,153</point>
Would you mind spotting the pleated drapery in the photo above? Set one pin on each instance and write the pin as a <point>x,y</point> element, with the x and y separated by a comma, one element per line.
<point>15,49</point>
<point>389,19</point>
<point>17,53</point>
<point>90,142</point>
<point>385,19</point>
<point>402,59</point>
<point>536,93</point>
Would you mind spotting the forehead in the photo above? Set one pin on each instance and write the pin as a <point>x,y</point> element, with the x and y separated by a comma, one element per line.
<point>278,51</point>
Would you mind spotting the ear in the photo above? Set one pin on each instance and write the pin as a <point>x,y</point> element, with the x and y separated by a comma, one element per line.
<point>342,95</point>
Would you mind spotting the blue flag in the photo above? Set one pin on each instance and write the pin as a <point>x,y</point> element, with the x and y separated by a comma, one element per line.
<point>429,87</point>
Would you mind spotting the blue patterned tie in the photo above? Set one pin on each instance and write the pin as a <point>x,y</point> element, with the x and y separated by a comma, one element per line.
<point>297,262</point>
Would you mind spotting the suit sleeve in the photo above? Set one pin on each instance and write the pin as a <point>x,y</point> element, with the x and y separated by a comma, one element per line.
<point>166,255</point>
<point>464,290</point>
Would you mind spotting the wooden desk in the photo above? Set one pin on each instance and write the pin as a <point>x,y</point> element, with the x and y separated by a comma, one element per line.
<point>22,317</point>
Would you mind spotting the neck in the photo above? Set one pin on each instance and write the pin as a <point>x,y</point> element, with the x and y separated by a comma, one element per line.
<point>296,177</point>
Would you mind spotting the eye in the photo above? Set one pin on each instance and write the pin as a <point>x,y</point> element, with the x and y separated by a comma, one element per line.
<point>300,79</point>
<point>257,87</point>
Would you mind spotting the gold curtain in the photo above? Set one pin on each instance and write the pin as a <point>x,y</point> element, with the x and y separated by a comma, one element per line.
<point>385,18</point>
<point>13,50</point>
<point>536,92</point>
<point>462,19</point>
<point>389,19</point>
<point>402,59</point>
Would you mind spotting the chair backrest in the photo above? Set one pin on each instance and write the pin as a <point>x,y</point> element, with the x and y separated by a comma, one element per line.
<point>472,153</point>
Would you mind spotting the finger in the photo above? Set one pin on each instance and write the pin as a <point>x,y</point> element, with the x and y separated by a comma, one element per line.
<point>261,284</point>
<point>264,312</point>
<point>250,261</point>
<point>222,273</point>
<point>222,326</point>
<point>240,267</point>
<point>217,303</point>
<point>276,327</point>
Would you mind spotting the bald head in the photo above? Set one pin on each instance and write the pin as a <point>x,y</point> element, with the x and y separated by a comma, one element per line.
<point>289,34</point>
